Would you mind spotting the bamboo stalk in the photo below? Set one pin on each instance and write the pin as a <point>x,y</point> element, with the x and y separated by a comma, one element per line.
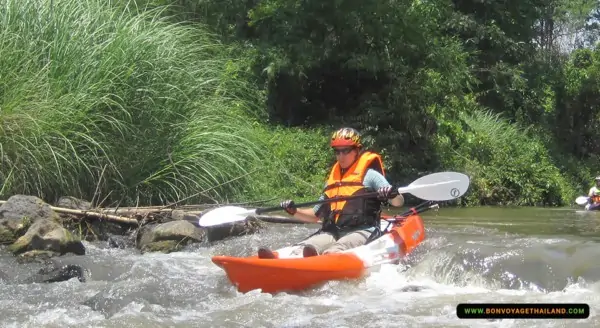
<point>145,210</point>
<point>162,209</point>
<point>108,217</point>
<point>130,211</point>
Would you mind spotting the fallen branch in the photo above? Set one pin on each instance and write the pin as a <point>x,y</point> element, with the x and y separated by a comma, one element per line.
<point>108,217</point>
<point>162,209</point>
<point>130,211</point>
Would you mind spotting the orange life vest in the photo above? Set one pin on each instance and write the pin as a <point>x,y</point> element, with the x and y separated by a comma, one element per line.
<point>595,199</point>
<point>341,215</point>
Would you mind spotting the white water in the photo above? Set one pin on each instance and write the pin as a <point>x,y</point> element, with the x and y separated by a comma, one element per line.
<point>457,263</point>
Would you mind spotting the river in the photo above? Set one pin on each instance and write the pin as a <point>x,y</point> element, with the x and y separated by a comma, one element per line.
<point>469,255</point>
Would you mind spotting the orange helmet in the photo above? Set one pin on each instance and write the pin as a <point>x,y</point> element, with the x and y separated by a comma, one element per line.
<point>346,137</point>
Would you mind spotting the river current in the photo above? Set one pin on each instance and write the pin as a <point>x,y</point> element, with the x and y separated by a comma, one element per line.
<point>469,255</point>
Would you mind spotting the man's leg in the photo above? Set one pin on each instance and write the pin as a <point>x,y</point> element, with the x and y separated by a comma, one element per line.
<point>316,244</point>
<point>351,240</point>
<point>313,245</point>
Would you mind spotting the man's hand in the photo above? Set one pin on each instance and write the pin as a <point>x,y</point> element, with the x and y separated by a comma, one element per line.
<point>288,206</point>
<point>388,192</point>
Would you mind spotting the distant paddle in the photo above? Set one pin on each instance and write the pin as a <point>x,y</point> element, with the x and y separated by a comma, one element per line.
<point>582,200</point>
<point>441,186</point>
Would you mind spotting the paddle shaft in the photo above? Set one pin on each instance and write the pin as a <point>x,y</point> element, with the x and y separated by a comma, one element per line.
<point>423,207</point>
<point>328,200</point>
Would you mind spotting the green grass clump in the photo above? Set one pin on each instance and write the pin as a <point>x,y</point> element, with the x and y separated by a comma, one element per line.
<point>100,101</point>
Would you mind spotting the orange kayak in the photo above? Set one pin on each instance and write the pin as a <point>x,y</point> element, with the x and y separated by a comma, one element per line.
<point>294,273</point>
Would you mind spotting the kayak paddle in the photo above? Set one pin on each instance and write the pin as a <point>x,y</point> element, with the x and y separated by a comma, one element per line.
<point>582,200</point>
<point>439,186</point>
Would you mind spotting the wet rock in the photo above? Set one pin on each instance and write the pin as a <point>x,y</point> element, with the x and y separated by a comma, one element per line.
<point>19,206</point>
<point>112,300</point>
<point>177,215</point>
<point>120,242</point>
<point>73,203</point>
<point>58,274</point>
<point>36,256</point>
<point>47,235</point>
<point>412,288</point>
<point>168,237</point>
<point>107,304</point>
<point>234,229</point>
<point>19,212</point>
<point>164,246</point>
<point>11,229</point>
<point>98,230</point>
<point>50,272</point>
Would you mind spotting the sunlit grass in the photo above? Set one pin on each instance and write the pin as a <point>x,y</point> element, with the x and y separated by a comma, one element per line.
<point>94,99</point>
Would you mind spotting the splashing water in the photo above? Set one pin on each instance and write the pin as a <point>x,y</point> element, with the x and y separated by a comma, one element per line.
<point>466,257</point>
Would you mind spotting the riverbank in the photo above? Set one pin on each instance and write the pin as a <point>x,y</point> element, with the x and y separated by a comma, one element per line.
<point>36,232</point>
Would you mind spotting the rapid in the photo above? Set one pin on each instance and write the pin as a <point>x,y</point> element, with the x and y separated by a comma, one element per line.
<point>469,255</point>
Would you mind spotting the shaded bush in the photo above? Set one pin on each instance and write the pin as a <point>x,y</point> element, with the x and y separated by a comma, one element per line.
<point>506,164</point>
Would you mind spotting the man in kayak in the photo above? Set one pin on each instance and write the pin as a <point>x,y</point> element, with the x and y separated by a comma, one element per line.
<point>352,223</point>
<point>594,195</point>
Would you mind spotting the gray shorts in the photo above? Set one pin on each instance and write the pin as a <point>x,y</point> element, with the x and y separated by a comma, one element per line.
<point>324,242</point>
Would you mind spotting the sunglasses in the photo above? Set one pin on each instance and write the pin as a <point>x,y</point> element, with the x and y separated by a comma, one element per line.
<point>344,151</point>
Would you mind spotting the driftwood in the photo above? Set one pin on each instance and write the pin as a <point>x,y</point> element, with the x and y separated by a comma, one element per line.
<point>148,211</point>
<point>192,209</point>
<point>104,216</point>
<point>108,217</point>
<point>120,215</point>
<point>132,211</point>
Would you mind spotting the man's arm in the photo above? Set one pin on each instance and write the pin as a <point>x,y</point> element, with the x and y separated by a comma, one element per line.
<point>375,180</point>
<point>397,201</point>
<point>309,214</point>
<point>306,215</point>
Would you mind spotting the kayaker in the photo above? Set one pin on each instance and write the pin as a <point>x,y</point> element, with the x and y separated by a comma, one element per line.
<point>346,224</point>
<point>594,194</point>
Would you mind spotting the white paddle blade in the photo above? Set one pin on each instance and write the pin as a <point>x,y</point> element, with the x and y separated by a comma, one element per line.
<point>581,200</point>
<point>439,186</point>
<point>225,214</point>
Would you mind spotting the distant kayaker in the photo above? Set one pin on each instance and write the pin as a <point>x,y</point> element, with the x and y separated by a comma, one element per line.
<point>594,195</point>
<point>346,224</point>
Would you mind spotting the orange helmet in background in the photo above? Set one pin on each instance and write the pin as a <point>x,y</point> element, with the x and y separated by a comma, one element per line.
<point>346,137</point>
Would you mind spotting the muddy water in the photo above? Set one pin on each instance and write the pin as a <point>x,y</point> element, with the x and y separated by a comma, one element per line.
<point>470,255</point>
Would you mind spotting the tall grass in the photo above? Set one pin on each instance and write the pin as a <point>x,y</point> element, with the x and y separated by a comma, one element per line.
<point>507,165</point>
<point>96,100</point>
